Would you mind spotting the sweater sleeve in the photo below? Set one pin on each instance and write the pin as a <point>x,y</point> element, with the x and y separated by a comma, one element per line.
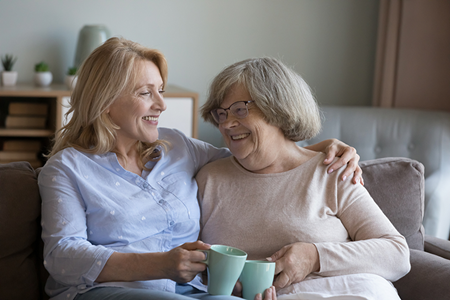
<point>375,245</point>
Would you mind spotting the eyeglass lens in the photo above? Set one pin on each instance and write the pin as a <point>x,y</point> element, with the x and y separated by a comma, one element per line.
<point>238,109</point>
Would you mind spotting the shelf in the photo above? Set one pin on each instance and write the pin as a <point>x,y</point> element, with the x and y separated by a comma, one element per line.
<point>29,90</point>
<point>26,132</point>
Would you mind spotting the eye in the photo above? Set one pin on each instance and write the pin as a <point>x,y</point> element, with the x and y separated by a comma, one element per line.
<point>144,93</point>
<point>162,91</point>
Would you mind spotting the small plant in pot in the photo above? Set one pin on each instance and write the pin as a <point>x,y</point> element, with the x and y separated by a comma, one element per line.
<point>42,77</point>
<point>71,77</point>
<point>9,77</point>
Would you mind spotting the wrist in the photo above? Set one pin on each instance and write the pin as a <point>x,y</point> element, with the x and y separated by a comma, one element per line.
<point>315,259</point>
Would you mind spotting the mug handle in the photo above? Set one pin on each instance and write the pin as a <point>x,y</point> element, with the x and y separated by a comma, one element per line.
<point>206,261</point>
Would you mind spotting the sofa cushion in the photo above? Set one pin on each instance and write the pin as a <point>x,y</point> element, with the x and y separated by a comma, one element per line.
<point>20,209</point>
<point>428,278</point>
<point>397,186</point>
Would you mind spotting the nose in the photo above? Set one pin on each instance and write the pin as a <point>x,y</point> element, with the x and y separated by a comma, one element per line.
<point>159,103</point>
<point>230,122</point>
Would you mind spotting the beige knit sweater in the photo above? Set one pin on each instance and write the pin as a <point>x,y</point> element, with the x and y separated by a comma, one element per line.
<point>261,213</point>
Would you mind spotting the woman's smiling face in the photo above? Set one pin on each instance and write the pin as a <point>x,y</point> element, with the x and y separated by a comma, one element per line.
<point>252,140</point>
<point>137,114</point>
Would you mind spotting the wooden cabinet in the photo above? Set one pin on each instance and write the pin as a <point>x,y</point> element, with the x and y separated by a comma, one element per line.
<point>181,113</point>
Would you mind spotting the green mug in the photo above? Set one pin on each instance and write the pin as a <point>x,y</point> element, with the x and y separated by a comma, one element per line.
<point>256,277</point>
<point>225,264</point>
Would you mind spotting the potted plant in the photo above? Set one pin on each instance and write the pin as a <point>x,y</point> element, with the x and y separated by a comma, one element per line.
<point>9,77</point>
<point>42,77</point>
<point>71,77</point>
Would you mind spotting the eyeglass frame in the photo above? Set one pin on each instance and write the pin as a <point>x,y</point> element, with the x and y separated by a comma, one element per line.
<point>229,108</point>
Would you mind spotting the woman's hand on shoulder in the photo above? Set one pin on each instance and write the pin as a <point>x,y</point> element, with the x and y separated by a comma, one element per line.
<point>183,263</point>
<point>294,262</point>
<point>347,157</point>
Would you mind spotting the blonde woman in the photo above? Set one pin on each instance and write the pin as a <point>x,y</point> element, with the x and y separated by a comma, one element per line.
<point>120,218</point>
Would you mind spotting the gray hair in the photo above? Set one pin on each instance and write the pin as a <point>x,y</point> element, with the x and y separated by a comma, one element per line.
<point>282,95</point>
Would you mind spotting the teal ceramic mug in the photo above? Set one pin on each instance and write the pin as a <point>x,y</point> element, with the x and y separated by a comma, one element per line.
<point>225,265</point>
<point>256,277</point>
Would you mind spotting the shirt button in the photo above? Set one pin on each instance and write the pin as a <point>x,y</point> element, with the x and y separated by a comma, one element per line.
<point>161,201</point>
<point>145,185</point>
<point>171,223</point>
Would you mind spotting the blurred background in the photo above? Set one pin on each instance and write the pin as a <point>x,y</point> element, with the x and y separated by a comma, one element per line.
<point>331,43</point>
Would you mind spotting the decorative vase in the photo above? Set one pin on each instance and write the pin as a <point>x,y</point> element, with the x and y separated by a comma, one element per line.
<point>43,78</point>
<point>71,81</point>
<point>9,78</point>
<point>89,38</point>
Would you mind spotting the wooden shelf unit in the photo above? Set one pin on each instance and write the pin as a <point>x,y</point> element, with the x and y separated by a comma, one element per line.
<point>182,112</point>
<point>52,95</point>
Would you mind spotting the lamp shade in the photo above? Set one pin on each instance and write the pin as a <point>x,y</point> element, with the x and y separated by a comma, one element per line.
<point>89,38</point>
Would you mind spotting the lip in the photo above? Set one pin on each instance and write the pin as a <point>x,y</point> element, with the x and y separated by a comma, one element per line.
<point>246,135</point>
<point>151,119</point>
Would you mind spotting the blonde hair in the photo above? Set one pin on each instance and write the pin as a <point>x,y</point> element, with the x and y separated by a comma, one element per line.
<point>109,72</point>
<point>282,95</point>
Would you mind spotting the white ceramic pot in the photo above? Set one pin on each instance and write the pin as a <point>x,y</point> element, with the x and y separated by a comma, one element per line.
<point>43,78</point>
<point>71,81</point>
<point>9,78</point>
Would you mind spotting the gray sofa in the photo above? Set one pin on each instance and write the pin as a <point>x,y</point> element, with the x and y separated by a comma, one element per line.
<point>391,132</point>
<point>396,184</point>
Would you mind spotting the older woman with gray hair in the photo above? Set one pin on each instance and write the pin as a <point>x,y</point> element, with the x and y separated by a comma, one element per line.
<point>274,199</point>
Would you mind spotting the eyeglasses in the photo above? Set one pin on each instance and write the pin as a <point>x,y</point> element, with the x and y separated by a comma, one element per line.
<point>238,109</point>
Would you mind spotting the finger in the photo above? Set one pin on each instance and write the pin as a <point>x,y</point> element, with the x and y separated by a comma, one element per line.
<point>196,256</point>
<point>237,290</point>
<point>358,175</point>
<point>196,245</point>
<point>273,292</point>
<point>330,155</point>
<point>281,281</point>
<point>259,297</point>
<point>269,294</point>
<point>350,170</point>
<point>336,165</point>
<point>197,267</point>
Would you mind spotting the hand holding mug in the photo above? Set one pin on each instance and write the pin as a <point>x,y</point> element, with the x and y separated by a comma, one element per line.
<point>294,262</point>
<point>183,263</point>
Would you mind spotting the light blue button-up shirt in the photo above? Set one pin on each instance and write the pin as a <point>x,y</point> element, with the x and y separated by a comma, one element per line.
<point>91,207</point>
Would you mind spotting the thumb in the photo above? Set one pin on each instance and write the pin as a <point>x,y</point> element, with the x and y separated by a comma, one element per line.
<point>277,255</point>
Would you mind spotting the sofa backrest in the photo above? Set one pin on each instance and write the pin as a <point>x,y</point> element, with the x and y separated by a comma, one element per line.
<point>396,184</point>
<point>394,132</point>
<point>23,274</point>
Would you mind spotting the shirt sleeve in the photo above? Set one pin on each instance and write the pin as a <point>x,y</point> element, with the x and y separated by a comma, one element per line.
<point>204,153</point>
<point>375,245</point>
<point>68,256</point>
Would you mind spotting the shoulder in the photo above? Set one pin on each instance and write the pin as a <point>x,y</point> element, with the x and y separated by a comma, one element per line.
<point>68,161</point>
<point>171,135</point>
<point>218,167</point>
<point>178,139</point>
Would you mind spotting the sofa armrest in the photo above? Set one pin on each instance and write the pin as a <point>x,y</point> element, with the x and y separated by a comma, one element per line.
<point>437,246</point>
<point>428,278</point>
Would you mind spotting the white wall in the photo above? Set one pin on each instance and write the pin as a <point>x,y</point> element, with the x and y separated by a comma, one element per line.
<point>330,42</point>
